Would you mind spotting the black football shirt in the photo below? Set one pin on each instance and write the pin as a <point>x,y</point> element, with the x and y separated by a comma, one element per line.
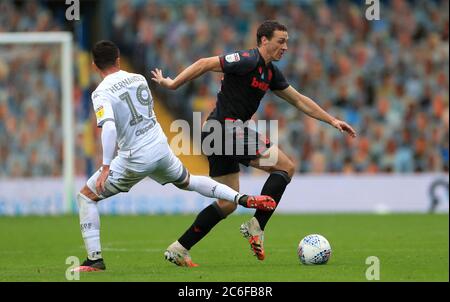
<point>245,82</point>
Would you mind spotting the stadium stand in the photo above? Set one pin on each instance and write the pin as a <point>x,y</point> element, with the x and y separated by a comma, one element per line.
<point>388,78</point>
<point>378,75</point>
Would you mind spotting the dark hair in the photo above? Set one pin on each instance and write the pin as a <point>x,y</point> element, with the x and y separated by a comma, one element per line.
<point>105,54</point>
<point>267,28</point>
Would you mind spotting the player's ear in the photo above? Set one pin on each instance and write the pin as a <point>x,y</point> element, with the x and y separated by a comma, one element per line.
<point>118,62</point>
<point>95,67</point>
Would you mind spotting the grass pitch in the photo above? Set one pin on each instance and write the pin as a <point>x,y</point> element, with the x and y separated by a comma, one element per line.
<point>410,247</point>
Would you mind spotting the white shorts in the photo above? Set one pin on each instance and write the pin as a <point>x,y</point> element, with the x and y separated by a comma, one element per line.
<point>129,168</point>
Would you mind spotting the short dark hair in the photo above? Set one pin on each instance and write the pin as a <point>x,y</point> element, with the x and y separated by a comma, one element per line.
<point>105,54</point>
<point>267,28</point>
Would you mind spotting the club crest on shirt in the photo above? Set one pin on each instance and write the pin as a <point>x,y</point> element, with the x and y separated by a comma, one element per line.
<point>99,112</point>
<point>232,58</point>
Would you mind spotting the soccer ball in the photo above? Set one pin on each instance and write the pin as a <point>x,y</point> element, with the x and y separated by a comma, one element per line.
<point>314,249</point>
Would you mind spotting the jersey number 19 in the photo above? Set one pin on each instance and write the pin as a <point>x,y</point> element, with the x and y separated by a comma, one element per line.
<point>143,96</point>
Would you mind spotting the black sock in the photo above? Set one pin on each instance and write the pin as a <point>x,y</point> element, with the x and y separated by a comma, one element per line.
<point>243,200</point>
<point>274,187</point>
<point>205,221</point>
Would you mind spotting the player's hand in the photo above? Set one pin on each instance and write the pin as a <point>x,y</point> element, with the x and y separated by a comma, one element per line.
<point>160,79</point>
<point>100,183</point>
<point>343,126</point>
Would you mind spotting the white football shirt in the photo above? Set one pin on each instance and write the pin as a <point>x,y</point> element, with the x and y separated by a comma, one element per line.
<point>125,98</point>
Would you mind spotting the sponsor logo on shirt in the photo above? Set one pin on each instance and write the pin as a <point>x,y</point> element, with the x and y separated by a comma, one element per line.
<point>100,112</point>
<point>259,84</point>
<point>144,130</point>
<point>233,58</point>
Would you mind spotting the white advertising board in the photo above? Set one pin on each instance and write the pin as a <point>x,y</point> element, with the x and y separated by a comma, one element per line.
<point>305,194</point>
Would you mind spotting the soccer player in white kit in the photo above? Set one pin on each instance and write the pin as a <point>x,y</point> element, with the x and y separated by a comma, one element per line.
<point>123,106</point>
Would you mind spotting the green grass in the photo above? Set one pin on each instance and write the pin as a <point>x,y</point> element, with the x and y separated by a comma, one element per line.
<point>410,247</point>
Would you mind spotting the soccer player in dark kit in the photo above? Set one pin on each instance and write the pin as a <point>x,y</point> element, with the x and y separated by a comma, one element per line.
<point>247,76</point>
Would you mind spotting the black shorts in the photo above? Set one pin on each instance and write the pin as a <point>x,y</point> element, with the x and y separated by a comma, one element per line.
<point>233,144</point>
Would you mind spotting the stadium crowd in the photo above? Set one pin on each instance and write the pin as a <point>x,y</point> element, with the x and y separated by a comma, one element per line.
<point>388,78</point>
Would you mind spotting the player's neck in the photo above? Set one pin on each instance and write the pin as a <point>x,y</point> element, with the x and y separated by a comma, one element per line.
<point>264,55</point>
<point>107,72</point>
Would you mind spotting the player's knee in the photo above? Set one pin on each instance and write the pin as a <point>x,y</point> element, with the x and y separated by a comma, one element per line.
<point>86,192</point>
<point>82,201</point>
<point>184,181</point>
<point>183,186</point>
<point>290,168</point>
<point>226,207</point>
<point>287,166</point>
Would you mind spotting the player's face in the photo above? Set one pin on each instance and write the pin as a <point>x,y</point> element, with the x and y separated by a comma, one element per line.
<point>277,46</point>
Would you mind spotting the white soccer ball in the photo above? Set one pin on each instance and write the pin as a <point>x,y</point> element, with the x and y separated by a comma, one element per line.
<point>314,249</point>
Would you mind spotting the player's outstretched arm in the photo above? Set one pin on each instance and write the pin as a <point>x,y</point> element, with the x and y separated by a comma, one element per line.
<point>194,71</point>
<point>311,108</point>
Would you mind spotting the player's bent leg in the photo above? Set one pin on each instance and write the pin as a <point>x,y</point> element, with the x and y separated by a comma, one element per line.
<point>280,176</point>
<point>87,200</point>
<point>204,222</point>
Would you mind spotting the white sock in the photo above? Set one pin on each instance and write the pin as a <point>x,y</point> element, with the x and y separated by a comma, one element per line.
<point>210,188</point>
<point>90,226</point>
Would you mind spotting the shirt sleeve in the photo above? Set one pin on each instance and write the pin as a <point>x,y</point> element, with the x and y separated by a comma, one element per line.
<point>278,81</point>
<point>109,137</point>
<point>102,108</point>
<point>239,62</point>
